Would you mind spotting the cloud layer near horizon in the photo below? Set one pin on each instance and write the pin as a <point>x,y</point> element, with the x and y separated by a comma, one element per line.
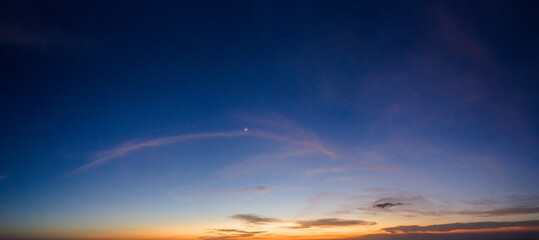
<point>460,226</point>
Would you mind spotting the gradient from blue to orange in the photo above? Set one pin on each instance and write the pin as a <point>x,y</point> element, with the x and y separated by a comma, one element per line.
<point>268,119</point>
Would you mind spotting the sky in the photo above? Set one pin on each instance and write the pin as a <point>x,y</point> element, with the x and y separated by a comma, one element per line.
<point>236,120</point>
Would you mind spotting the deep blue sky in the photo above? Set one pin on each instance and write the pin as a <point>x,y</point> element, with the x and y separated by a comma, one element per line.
<point>429,99</point>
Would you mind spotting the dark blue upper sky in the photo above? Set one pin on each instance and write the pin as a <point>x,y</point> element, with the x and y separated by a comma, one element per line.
<point>444,90</point>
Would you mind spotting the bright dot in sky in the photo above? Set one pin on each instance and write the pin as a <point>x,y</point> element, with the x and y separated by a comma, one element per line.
<point>246,129</point>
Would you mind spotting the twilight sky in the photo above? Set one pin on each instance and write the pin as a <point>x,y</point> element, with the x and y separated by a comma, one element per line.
<point>236,120</point>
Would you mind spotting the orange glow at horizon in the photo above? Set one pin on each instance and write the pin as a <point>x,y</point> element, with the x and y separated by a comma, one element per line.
<point>171,234</point>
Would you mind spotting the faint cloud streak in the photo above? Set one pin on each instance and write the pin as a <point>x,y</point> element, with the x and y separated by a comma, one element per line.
<point>501,212</point>
<point>105,156</point>
<point>254,219</point>
<point>324,170</point>
<point>253,190</point>
<point>330,222</point>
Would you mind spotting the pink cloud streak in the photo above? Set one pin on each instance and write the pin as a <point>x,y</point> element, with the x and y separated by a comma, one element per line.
<point>105,156</point>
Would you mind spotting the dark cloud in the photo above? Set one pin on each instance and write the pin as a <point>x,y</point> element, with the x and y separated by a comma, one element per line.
<point>386,205</point>
<point>331,222</point>
<point>411,201</point>
<point>509,235</point>
<point>408,206</point>
<point>254,219</point>
<point>460,226</point>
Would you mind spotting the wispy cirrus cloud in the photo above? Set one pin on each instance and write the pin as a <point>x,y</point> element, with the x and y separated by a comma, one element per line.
<point>279,124</point>
<point>460,226</point>
<point>512,200</point>
<point>314,145</point>
<point>485,213</point>
<point>281,128</point>
<point>454,34</point>
<point>254,219</point>
<point>501,211</point>
<point>105,156</point>
<point>420,206</point>
<point>509,205</point>
<point>330,222</point>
